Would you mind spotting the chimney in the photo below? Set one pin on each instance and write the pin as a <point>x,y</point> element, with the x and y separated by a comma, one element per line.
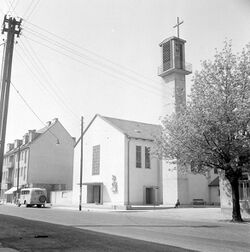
<point>26,138</point>
<point>10,146</point>
<point>32,135</point>
<point>48,123</point>
<point>17,143</point>
<point>54,120</point>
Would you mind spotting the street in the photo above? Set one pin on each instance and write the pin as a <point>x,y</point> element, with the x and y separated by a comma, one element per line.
<point>195,229</point>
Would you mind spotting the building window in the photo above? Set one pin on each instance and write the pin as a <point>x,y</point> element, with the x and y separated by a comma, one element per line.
<point>96,160</point>
<point>138,156</point>
<point>244,189</point>
<point>215,170</point>
<point>25,156</point>
<point>24,172</point>
<point>147,157</point>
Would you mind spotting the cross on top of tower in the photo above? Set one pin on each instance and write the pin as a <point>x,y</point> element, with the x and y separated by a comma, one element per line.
<point>178,26</point>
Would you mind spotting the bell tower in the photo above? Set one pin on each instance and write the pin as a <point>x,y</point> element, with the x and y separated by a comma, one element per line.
<point>173,71</point>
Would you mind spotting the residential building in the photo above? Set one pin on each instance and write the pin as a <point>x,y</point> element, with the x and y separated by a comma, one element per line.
<point>43,158</point>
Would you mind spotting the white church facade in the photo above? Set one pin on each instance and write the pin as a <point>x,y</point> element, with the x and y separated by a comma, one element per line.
<point>120,168</point>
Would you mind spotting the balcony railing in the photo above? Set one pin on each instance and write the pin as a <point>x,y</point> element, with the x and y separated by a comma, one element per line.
<point>168,66</point>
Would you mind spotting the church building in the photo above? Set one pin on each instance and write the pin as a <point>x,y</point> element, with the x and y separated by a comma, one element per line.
<point>120,168</point>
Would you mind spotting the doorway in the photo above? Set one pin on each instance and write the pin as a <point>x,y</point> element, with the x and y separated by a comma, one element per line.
<point>150,196</point>
<point>97,194</point>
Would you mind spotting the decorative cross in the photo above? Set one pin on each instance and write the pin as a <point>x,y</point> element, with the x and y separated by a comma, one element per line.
<point>178,26</point>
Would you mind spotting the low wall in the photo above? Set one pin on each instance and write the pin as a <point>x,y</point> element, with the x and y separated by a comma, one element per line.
<point>61,197</point>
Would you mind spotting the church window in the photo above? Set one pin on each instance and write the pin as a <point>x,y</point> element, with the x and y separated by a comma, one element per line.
<point>166,48</point>
<point>178,55</point>
<point>138,156</point>
<point>147,157</point>
<point>96,160</point>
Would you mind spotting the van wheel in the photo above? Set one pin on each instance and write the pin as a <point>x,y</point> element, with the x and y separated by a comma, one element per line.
<point>42,199</point>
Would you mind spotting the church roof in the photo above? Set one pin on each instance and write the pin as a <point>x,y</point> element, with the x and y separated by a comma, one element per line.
<point>172,38</point>
<point>131,129</point>
<point>135,129</point>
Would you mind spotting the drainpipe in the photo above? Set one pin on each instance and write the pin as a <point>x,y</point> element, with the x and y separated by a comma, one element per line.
<point>128,174</point>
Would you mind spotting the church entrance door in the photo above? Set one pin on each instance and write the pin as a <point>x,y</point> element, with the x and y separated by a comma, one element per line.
<point>97,194</point>
<point>149,196</point>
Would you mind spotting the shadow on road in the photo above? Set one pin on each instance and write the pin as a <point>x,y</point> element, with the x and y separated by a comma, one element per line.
<point>156,226</point>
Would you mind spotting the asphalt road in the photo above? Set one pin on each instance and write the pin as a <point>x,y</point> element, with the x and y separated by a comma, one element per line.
<point>27,235</point>
<point>160,227</point>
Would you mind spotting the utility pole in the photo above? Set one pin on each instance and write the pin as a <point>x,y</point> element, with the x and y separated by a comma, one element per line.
<point>81,164</point>
<point>12,27</point>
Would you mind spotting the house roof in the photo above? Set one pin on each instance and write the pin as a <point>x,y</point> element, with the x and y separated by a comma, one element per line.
<point>214,182</point>
<point>38,133</point>
<point>135,129</point>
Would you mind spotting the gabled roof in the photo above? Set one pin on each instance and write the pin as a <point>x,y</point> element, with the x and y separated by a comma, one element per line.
<point>131,129</point>
<point>215,182</point>
<point>135,129</point>
<point>38,133</point>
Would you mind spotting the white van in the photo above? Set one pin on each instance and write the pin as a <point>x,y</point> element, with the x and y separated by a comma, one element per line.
<point>32,196</point>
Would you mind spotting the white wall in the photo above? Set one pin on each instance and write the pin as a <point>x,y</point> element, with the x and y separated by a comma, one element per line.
<point>61,198</point>
<point>49,162</point>
<point>139,178</point>
<point>198,187</point>
<point>112,156</point>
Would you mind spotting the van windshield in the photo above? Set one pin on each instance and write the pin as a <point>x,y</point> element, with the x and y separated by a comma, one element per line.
<point>39,192</point>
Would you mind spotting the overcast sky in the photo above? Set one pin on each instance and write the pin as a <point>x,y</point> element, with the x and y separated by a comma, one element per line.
<point>82,57</point>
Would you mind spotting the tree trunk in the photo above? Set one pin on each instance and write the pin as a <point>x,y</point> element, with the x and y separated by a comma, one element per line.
<point>236,214</point>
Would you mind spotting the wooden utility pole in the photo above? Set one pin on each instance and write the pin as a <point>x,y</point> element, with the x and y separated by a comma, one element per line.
<point>12,27</point>
<point>81,164</point>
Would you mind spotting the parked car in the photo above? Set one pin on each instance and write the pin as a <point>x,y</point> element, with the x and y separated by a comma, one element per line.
<point>32,196</point>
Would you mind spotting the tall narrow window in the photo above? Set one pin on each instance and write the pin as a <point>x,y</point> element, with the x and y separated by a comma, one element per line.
<point>166,56</point>
<point>147,157</point>
<point>96,160</point>
<point>138,156</point>
<point>25,156</point>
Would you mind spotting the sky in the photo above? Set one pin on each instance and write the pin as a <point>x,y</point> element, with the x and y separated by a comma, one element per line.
<point>85,57</point>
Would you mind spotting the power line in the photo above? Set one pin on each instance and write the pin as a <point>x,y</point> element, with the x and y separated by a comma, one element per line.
<point>30,108</point>
<point>33,9</point>
<point>135,84</point>
<point>92,53</point>
<point>36,75</point>
<point>15,6</point>
<point>93,61</point>
<point>30,6</point>
<point>49,79</point>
